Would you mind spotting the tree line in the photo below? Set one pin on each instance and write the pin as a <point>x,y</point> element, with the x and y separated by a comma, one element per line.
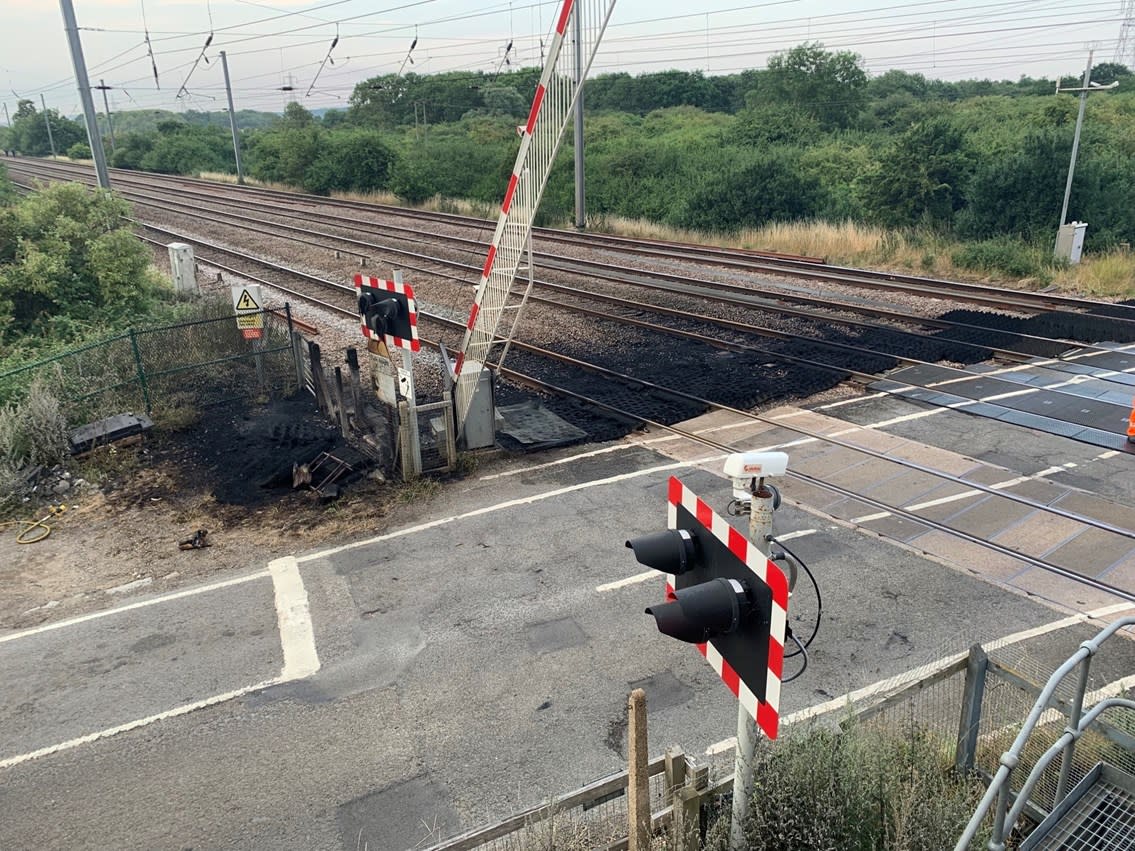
<point>809,137</point>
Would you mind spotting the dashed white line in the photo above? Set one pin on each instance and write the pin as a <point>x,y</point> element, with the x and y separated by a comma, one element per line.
<point>630,580</point>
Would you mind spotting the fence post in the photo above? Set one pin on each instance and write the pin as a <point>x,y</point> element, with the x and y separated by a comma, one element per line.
<point>450,432</point>
<point>356,386</point>
<point>344,424</point>
<point>405,455</point>
<point>638,780</point>
<point>141,369</point>
<point>297,358</point>
<point>687,811</point>
<point>972,695</point>
<point>318,379</point>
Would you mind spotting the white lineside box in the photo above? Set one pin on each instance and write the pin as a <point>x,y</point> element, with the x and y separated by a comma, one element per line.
<point>183,269</point>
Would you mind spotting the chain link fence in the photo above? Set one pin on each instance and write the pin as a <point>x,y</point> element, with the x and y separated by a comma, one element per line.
<point>164,370</point>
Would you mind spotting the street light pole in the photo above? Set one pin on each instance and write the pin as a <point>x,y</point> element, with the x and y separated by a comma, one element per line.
<point>232,119</point>
<point>47,123</point>
<point>1084,90</point>
<point>84,82</point>
<point>1076,138</point>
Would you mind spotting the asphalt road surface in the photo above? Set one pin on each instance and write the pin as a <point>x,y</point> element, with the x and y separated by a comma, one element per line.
<point>425,681</point>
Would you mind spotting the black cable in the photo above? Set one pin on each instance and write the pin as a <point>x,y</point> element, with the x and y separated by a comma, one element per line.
<point>803,651</point>
<point>815,585</point>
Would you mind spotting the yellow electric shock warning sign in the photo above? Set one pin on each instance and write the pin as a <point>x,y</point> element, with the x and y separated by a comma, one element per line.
<point>245,301</point>
<point>246,305</point>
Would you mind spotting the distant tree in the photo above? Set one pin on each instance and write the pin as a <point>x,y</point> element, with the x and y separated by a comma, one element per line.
<point>296,117</point>
<point>748,191</point>
<point>774,124</point>
<point>503,100</point>
<point>189,151</point>
<point>7,190</point>
<point>1019,191</point>
<point>895,81</point>
<point>921,176</point>
<point>283,154</point>
<point>1110,72</point>
<point>131,149</point>
<point>831,87</point>
<point>349,160</point>
<point>411,179</point>
<point>28,133</point>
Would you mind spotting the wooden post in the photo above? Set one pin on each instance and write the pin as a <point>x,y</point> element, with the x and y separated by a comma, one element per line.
<point>356,386</point>
<point>297,355</point>
<point>341,397</point>
<point>675,769</point>
<point>638,780</point>
<point>318,379</point>
<point>972,696</point>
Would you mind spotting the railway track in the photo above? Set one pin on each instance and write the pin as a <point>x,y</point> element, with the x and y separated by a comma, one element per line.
<point>954,339</point>
<point>611,392</point>
<point>745,260</point>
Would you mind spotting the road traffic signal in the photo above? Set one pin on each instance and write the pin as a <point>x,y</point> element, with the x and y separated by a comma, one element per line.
<point>387,311</point>
<point>723,595</point>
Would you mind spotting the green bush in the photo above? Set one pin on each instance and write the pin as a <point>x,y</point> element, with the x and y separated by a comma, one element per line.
<point>1003,255</point>
<point>79,151</point>
<point>34,431</point>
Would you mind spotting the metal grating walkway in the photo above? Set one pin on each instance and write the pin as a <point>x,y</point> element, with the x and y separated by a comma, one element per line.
<point>1098,815</point>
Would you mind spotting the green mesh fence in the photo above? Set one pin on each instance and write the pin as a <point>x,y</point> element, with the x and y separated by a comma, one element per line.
<point>159,370</point>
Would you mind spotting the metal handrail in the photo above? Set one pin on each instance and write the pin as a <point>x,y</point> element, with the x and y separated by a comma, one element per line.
<point>999,786</point>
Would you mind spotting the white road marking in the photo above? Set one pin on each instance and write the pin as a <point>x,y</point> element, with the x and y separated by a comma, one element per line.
<point>164,598</point>
<point>630,580</point>
<point>895,683</point>
<point>296,637</point>
<point>799,533</point>
<point>512,503</point>
<point>570,459</point>
<point>1008,483</point>
<point>184,709</point>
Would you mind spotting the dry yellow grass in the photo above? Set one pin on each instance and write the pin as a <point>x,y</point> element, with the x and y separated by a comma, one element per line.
<point>1110,275</point>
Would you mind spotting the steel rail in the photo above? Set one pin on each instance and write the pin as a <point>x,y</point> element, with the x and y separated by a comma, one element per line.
<point>744,296</point>
<point>747,328</point>
<point>742,300</point>
<point>622,378</point>
<point>801,267</point>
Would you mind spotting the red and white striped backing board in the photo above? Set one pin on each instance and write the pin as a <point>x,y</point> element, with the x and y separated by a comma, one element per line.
<point>767,712</point>
<point>413,344</point>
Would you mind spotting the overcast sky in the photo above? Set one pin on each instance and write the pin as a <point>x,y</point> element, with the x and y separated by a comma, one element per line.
<point>277,43</point>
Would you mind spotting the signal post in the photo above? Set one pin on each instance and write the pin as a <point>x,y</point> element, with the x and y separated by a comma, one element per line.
<point>725,596</point>
<point>388,315</point>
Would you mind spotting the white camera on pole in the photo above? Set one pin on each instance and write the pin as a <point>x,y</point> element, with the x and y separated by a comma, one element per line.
<point>744,467</point>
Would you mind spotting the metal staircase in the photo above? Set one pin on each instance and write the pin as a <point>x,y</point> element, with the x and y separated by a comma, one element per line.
<point>1098,814</point>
